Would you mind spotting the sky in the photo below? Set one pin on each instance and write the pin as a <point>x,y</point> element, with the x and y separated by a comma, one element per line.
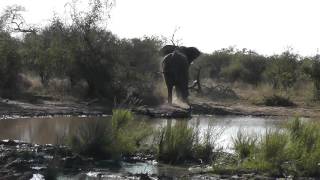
<point>266,26</point>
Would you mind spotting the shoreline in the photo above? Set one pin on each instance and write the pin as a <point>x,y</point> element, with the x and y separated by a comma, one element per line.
<point>13,109</point>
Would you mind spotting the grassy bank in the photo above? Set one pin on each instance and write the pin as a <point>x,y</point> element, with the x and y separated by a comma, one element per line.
<point>121,136</point>
<point>291,151</point>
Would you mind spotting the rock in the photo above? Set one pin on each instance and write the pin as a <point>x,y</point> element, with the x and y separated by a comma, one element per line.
<point>204,108</point>
<point>163,111</point>
<point>205,177</point>
<point>262,177</point>
<point>247,176</point>
<point>18,164</point>
<point>26,175</point>
<point>8,142</point>
<point>76,161</point>
<point>143,176</point>
<point>235,177</point>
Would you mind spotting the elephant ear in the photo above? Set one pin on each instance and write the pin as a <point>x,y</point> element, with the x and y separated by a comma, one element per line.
<point>192,53</point>
<point>167,49</point>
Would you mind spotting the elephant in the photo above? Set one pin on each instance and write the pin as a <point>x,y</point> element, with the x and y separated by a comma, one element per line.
<point>175,68</point>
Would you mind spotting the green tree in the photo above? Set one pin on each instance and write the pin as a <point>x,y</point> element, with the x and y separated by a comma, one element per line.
<point>282,70</point>
<point>10,64</point>
<point>313,70</point>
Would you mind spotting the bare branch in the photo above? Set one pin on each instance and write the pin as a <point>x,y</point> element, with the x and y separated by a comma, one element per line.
<point>12,20</point>
<point>175,42</point>
<point>98,13</point>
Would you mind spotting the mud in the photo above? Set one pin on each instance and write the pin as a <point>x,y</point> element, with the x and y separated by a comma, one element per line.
<point>20,160</point>
<point>44,108</point>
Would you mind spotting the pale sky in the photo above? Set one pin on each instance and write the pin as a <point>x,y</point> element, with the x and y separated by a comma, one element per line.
<point>266,26</point>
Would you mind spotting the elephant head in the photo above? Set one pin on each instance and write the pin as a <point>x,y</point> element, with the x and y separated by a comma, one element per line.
<point>191,52</point>
<point>176,62</point>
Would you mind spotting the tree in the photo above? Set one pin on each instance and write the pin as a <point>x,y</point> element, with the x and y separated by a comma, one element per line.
<point>313,70</point>
<point>12,20</point>
<point>282,70</point>
<point>10,64</point>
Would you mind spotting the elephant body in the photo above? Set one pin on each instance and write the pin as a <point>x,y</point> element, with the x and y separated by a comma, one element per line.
<point>175,66</point>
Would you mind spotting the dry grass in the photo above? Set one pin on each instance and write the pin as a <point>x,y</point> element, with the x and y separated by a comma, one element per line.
<point>300,94</point>
<point>57,88</point>
<point>161,90</point>
<point>36,85</point>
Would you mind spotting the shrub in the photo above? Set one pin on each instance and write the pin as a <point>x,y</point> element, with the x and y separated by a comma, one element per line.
<point>244,145</point>
<point>180,143</point>
<point>272,147</point>
<point>206,149</point>
<point>313,70</point>
<point>233,72</point>
<point>212,64</point>
<point>281,70</point>
<point>304,149</point>
<point>176,143</point>
<point>276,100</point>
<point>294,150</point>
<point>92,138</point>
<point>113,139</point>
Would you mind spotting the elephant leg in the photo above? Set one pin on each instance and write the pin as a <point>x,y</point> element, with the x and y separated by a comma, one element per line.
<point>182,87</point>
<point>170,87</point>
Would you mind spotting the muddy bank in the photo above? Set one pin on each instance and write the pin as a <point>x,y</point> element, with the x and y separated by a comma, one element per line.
<point>20,160</point>
<point>212,108</point>
<point>17,109</point>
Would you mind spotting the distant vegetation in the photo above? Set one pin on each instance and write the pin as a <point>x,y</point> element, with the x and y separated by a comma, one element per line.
<point>82,59</point>
<point>285,72</point>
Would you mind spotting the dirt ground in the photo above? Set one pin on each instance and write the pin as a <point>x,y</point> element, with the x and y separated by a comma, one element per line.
<point>16,109</point>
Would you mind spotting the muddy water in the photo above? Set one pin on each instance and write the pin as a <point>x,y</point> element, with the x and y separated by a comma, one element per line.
<point>55,130</point>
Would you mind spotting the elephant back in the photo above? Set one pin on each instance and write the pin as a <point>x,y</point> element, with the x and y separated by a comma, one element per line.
<point>175,62</point>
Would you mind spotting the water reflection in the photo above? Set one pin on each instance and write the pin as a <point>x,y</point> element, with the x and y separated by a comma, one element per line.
<point>42,130</point>
<point>55,130</point>
<point>226,127</point>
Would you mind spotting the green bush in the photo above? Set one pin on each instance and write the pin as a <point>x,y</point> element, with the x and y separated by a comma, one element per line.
<point>304,148</point>
<point>113,139</point>
<point>294,150</point>
<point>180,143</point>
<point>212,64</point>
<point>233,72</point>
<point>244,145</point>
<point>282,70</point>
<point>176,143</point>
<point>272,148</point>
<point>312,68</point>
